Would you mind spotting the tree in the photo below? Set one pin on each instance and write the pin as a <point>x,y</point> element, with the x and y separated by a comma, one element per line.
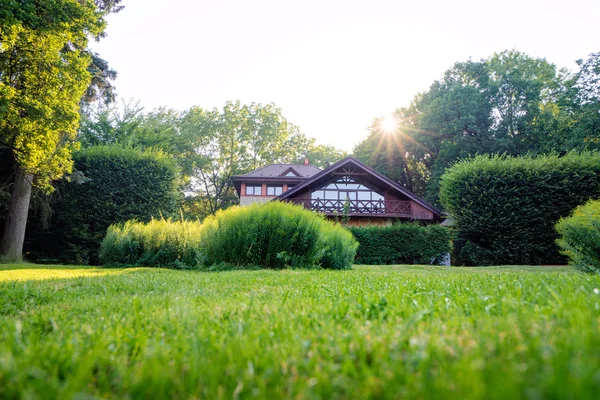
<point>580,102</point>
<point>235,140</point>
<point>321,155</point>
<point>510,103</point>
<point>210,146</point>
<point>43,77</point>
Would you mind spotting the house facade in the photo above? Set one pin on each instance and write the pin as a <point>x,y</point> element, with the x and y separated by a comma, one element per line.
<point>348,189</point>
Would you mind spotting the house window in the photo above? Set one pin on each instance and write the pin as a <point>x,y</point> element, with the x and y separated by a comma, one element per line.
<point>253,190</point>
<point>291,174</point>
<point>274,190</point>
<point>344,192</point>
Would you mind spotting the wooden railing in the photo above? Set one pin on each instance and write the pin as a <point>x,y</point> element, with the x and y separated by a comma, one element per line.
<point>356,207</point>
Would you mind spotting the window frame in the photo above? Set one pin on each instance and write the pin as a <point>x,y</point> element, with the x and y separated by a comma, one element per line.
<point>254,187</point>
<point>275,187</point>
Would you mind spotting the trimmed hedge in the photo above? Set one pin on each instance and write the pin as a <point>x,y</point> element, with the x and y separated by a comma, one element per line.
<point>403,243</point>
<point>272,235</point>
<point>505,208</point>
<point>113,184</point>
<point>580,237</point>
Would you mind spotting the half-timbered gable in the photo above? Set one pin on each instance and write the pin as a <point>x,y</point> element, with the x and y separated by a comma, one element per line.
<point>347,188</point>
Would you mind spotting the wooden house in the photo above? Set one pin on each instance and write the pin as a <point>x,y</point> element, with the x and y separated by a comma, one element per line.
<point>347,188</point>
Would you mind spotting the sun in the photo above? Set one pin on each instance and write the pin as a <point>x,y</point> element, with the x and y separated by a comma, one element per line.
<point>388,124</point>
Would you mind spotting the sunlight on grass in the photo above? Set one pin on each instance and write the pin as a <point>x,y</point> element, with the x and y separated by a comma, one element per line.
<point>27,272</point>
<point>402,331</point>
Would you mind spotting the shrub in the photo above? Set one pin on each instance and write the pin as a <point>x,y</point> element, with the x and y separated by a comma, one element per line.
<point>580,237</point>
<point>113,185</point>
<point>505,208</point>
<point>272,235</point>
<point>158,243</point>
<point>403,243</point>
<point>275,235</point>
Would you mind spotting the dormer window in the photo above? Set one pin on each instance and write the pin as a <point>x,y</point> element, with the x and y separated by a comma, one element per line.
<point>291,173</point>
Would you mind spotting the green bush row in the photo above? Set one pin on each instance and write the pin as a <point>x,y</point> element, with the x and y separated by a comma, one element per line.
<point>272,235</point>
<point>505,208</point>
<point>113,184</point>
<point>158,243</point>
<point>404,243</point>
<point>580,237</point>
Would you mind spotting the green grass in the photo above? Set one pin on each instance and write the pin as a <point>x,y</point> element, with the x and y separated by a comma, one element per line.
<point>372,332</point>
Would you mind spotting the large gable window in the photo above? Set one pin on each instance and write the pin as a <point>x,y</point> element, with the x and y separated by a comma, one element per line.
<point>346,188</point>
<point>253,190</point>
<point>347,192</point>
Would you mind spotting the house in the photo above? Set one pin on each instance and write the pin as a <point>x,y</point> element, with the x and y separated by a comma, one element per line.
<point>347,188</point>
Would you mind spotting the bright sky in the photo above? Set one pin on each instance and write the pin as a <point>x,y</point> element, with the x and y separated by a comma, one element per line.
<point>330,65</point>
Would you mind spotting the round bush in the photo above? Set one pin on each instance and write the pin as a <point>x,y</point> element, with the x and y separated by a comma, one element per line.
<point>580,237</point>
<point>276,235</point>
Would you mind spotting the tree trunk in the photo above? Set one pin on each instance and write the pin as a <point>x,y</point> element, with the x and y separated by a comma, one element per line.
<point>11,246</point>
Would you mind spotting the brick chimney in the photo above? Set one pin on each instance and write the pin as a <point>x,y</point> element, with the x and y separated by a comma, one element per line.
<point>305,160</point>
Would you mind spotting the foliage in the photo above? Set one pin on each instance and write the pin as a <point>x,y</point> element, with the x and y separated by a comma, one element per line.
<point>272,235</point>
<point>509,103</point>
<point>483,333</point>
<point>402,243</point>
<point>113,184</point>
<point>45,69</point>
<point>580,237</point>
<point>505,208</point>
<point>158,243</point>
<point>276,235</point>
<point>43,76</point>
<point>210,146</point>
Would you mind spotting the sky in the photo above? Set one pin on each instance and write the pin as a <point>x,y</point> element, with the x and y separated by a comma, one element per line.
<point>331,66</point>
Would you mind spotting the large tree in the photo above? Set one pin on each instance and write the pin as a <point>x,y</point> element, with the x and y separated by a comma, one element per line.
<point>509,103</point>
<point>44,73</point>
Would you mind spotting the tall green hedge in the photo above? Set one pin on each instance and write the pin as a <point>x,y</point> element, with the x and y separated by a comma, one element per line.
<point>580,237</point>
<point>505,208</point>
<point>112,184</point>
<point>402,243</point>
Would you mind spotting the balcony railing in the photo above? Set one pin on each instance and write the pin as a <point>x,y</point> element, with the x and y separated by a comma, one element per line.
<point>357,207</point>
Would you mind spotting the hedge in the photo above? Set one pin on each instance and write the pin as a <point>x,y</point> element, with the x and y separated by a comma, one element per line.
<point>505,208</point>
<point>113,184</point>
<point>272,235</point>
<point>402,243</point>
<point>580,237</point>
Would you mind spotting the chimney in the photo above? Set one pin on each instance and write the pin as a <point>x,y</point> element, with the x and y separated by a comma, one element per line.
<point>306,161</point>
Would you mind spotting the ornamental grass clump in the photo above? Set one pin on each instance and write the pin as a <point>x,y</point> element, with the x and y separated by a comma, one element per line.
<point>580,237</point>
<point>158,243</point>
<point>276,235</point>
<point>272,235</point>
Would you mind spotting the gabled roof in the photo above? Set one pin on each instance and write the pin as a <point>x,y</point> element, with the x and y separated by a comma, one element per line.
<point>279,170</point>
<point>327,172</point>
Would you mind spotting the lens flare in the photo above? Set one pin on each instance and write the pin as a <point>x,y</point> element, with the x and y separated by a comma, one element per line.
<point>389,124</point>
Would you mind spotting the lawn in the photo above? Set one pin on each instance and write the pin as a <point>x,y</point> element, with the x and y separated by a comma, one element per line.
<point>372,332</point>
